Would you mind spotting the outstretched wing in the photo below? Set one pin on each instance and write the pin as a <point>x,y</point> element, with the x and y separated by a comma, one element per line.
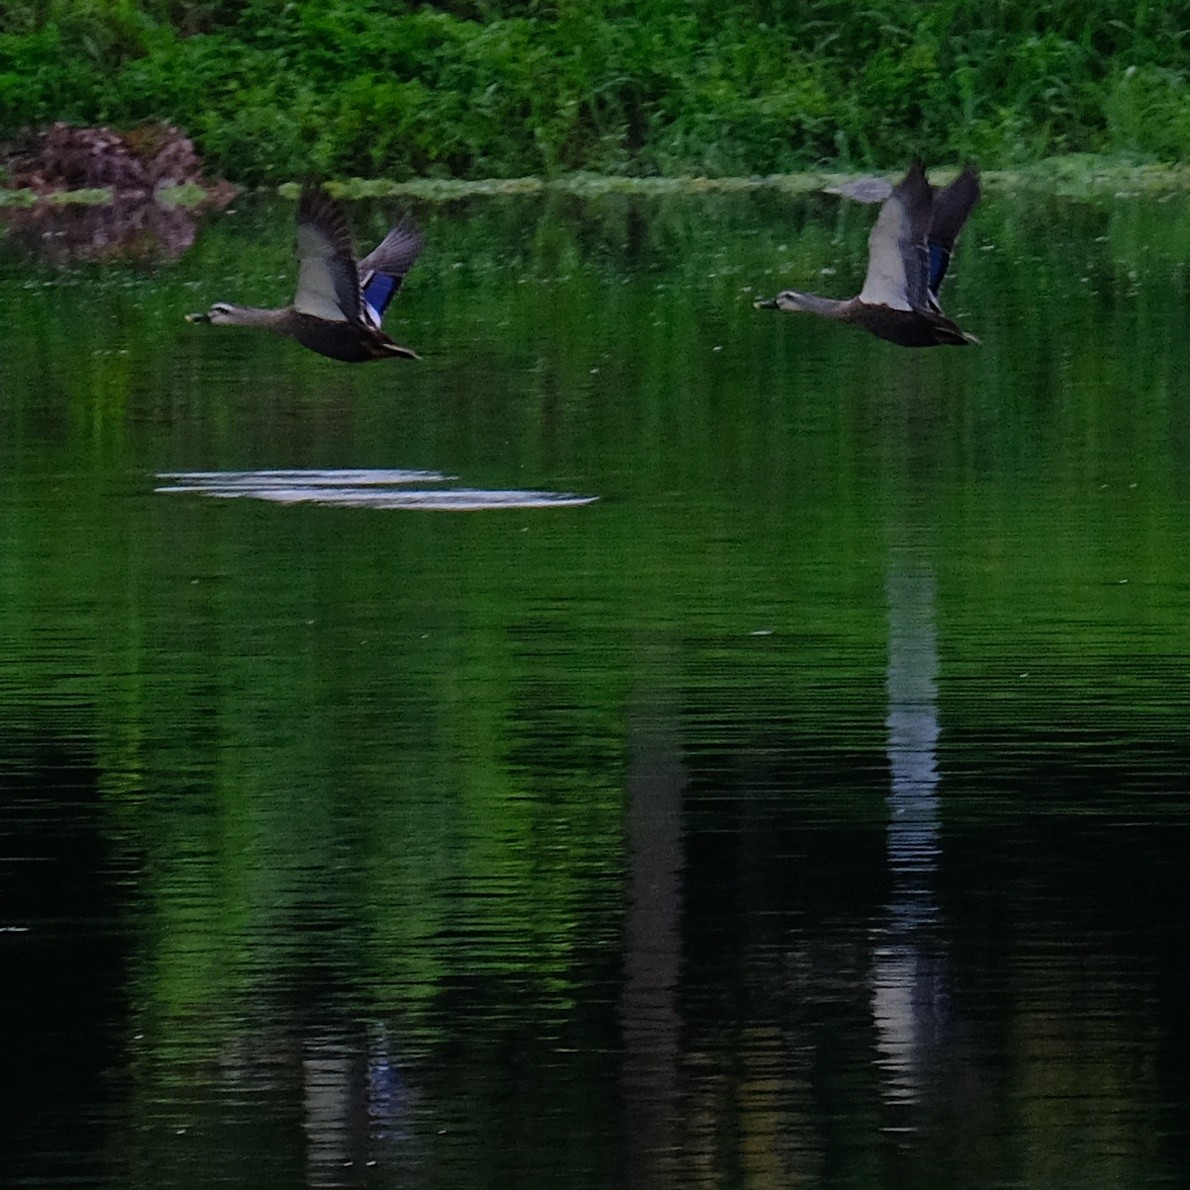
<point>328,281</point>
<point>383,269</point>
<point>898,265</point>
<point>952,205</point>
<point>868,189</point>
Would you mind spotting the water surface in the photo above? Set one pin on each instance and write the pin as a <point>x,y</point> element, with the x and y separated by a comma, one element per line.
<point>777,776</point>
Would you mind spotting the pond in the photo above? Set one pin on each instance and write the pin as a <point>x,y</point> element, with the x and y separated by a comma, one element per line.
<point>647,742</point>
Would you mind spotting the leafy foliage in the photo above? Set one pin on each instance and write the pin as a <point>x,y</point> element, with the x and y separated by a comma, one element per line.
<point>501,88</point>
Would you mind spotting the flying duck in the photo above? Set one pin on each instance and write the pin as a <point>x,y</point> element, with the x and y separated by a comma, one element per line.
<point>339,302</point>
<point>909,250</point>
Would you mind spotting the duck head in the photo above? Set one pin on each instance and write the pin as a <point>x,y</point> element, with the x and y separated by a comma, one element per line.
<point>220,314</point>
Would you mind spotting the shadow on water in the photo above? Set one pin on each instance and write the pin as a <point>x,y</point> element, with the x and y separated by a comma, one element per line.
<point>812,811</point>
<point>63,952</point>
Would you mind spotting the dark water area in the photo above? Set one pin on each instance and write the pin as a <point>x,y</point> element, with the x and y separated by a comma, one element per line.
<point>647,742</point>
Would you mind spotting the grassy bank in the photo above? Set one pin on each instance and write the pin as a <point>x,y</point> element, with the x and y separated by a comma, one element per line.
<point>272,90</point>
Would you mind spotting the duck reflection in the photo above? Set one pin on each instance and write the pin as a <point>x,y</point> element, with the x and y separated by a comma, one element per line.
<point>357,1102</point>
<point>908,980</point>
<point>653,945</point>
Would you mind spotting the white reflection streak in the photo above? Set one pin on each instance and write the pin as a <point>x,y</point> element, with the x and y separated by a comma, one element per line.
<point>327,1070</point>
<point>378,489</point>
<point>906,977</point>
<point>357,477</point>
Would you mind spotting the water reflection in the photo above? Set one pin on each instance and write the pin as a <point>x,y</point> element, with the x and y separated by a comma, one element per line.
<point>381,489</point>
<point>519,855</point>
<point>649,1012</point>
<point>353,1097</point>
<point>140,229</point>
<point>908,979</point>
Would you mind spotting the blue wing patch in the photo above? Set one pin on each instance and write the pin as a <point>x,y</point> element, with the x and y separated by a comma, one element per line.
<point>939,260</point>
<point>378,292</point>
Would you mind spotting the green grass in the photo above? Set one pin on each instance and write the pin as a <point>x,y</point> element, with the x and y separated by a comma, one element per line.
<point>511,88</point>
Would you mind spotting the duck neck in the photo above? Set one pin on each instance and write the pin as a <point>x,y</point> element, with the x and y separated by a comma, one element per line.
<point>811,303</point>
<point>269,320</point>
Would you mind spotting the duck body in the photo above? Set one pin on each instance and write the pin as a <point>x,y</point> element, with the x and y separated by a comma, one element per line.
<point>909,251</point>
<point>340,302</point>
<point>906,328</point>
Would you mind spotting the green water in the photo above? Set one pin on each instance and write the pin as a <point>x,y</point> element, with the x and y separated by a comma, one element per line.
<point>809,808</point>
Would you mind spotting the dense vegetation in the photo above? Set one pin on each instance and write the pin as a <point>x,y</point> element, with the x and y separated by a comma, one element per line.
<point>271,89</point>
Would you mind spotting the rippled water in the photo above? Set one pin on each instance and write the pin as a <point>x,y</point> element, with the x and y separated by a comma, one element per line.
<point>779,779</point>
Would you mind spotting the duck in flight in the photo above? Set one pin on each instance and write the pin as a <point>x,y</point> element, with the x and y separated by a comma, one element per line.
<point>908,253</point>
<point>340,301</point>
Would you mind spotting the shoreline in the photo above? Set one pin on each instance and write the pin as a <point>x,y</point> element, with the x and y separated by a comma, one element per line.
<point>1078,176</point>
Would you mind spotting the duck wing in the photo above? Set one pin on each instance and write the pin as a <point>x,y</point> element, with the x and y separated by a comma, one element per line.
<point>898,263</point>
<point>952,205</point>
<point>383,269</point>
<point>328,280</point>
<point>868,189</point>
